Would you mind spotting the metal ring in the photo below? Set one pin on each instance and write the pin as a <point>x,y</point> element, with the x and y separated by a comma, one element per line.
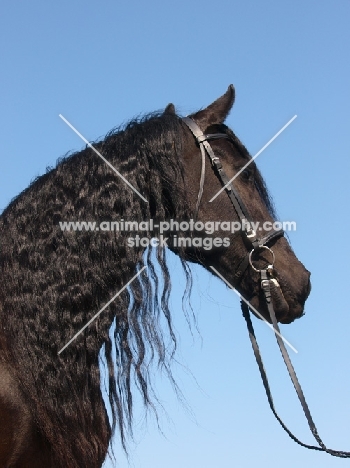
<point>261,247</point>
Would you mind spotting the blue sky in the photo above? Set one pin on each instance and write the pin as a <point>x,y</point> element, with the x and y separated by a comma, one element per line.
<point>100,64</point>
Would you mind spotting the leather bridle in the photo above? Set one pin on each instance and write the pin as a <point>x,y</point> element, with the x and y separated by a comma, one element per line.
<point>268,281</point>
<point>251,240</point>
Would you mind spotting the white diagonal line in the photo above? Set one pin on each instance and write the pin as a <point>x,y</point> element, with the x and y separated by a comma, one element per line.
<point>104,159</point>
<point>103,308</point>
<point>253,308</point>
<point>254,157</point>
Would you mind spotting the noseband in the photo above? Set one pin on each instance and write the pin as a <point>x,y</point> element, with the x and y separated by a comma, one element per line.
<point>268,282</point>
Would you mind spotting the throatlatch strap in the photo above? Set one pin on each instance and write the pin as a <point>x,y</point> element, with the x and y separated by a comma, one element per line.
<point>291,371</point>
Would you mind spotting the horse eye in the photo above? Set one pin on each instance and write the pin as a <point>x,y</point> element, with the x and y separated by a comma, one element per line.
<point>246,174</point>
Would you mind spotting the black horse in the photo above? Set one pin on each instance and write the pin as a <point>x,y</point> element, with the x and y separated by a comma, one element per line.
<point>54,280</point>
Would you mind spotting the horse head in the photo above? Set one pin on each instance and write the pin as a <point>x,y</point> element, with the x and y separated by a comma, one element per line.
<point>230,255</point>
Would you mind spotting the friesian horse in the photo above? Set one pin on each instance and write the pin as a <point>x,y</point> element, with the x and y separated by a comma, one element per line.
<point>54,280</point>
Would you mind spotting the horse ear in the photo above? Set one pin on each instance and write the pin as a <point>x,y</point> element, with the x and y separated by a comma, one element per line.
<point>170,109</point>
<point>216,112</point>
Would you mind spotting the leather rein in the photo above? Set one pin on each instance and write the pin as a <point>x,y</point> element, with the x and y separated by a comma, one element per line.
<point>268,282</point>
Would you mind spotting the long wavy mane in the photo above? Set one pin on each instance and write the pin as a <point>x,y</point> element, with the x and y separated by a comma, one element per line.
<point>53,282</point>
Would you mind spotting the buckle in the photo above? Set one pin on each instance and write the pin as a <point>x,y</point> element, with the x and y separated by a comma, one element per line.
<point>251,234</point>
<point>216,162</point>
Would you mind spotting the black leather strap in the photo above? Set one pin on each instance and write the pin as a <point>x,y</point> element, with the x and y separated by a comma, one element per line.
<point>231,192</point>
<point>266,285</point>
<point>266,239</point>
